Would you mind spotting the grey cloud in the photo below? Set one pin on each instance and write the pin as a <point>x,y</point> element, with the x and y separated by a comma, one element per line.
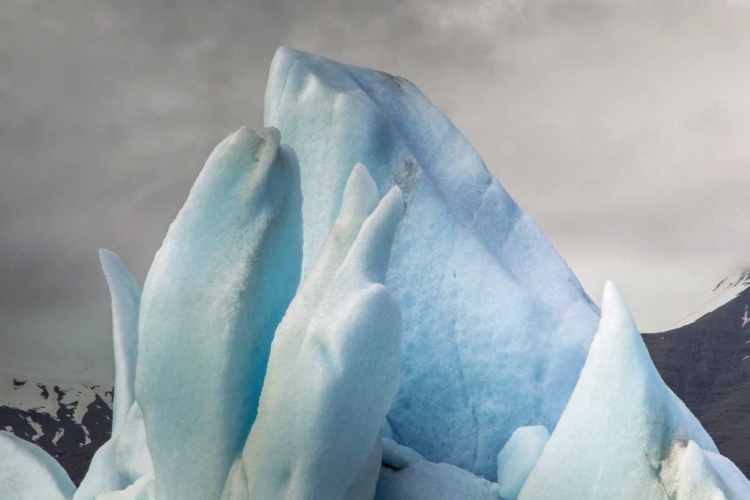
<point>620,126</point>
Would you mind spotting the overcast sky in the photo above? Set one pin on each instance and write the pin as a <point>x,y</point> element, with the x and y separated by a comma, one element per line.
<point>622,127</point>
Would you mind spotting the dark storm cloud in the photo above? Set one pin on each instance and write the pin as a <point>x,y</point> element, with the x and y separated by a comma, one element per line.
<point>620,127</point>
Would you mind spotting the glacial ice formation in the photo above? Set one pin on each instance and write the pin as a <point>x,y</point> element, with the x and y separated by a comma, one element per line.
<point>518,458</point>
<point>336,353</point>
<point>434,339</point>
<point>28,473</point>
<point>123,459</point>
<point>623,431</point>
<point>480,287</point>
<point>213,297</point>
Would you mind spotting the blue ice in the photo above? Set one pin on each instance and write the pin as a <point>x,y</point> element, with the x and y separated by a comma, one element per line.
<point>495,325</point>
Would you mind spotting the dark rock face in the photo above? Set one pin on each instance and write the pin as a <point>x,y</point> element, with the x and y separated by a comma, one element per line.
<point>71,442</point>
<point>707,364</point>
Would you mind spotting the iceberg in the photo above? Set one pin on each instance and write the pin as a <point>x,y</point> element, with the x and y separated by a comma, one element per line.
<point>623,434</point>
<point>424,480</point>
<point>698,479</point>
<point>495,325</point>
<point>362,312</point>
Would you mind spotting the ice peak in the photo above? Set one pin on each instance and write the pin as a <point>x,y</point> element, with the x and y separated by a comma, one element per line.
<point>616,318</point>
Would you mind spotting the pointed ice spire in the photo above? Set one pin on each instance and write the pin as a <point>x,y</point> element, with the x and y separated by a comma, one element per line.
<point>335,364</point>
<point>617,434</point>
<point>126,299</point>
<point>218,287</point>
<point>124,458</point>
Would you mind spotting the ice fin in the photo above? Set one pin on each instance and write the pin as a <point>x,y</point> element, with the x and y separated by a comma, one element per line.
<point>327,399</point>
<point>518,457</point>
<point>126,298</point>
<point>621,424</point>
<point>124,458</point>
<point>217,289</point>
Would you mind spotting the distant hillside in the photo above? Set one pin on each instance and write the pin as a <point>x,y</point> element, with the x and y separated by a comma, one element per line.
<point>707,364</point>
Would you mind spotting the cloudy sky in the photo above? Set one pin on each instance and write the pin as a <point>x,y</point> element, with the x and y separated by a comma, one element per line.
<point>622,127</point>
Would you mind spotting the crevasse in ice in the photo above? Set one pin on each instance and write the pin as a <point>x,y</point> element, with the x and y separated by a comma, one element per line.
<point>298,336</point>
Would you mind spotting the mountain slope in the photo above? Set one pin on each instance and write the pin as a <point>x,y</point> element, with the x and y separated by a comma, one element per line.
<point>707,364</point>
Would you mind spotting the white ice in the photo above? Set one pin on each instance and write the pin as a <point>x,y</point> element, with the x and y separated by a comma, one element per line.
<point>622,432</point>
<point>495,325</point>
<point>518,457</point>
<point>217,289</point>
<point>28,473</point>
<point>335,363</point>
<point>123,459</point>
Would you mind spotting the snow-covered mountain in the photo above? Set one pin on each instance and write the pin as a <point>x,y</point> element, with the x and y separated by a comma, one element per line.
<point>68,420</point>
<point>705,360</point>
<point>724,291</point>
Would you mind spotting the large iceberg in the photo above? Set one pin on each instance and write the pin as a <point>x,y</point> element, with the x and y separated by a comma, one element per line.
<point>350,307</point>
<point>495,325</point>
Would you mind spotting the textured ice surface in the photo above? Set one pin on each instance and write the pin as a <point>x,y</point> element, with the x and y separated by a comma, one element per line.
<point>617,436</point>
<point>698,479</point>
<point>737,485</point>
<point>123,459</point>
<point>142,489</point>
<point>335,363</point>
<point>518,457</point>
<point>495,325</point>
<point>216,291</point>
<point>430,481</point>
<point>126,298</point>
<point>28,473</point>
